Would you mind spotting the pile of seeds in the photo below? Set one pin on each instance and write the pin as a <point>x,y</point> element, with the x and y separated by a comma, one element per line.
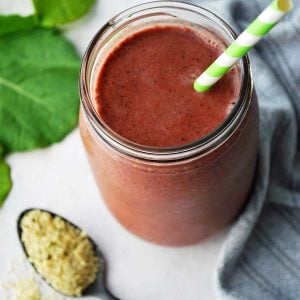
<point>61,253</point>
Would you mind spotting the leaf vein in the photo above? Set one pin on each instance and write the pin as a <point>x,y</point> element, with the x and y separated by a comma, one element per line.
<point>19,90</point>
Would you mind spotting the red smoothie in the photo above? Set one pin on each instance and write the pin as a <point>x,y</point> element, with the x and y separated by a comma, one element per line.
<point>145,87</point>
<point>173,166</point>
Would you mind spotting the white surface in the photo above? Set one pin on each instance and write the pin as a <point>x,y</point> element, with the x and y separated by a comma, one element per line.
<point>59,179</point>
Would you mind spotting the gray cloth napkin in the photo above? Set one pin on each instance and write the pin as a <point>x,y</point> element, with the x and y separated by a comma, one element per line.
<point>261,256</point>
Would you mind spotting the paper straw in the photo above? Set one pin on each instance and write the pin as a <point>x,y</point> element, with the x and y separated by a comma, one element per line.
<point>245,42</point>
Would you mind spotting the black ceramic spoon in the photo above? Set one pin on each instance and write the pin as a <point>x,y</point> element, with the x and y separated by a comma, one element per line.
<point>98,287</point>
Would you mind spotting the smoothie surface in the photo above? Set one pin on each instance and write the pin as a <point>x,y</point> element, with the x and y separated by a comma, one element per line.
<point>144,90</point>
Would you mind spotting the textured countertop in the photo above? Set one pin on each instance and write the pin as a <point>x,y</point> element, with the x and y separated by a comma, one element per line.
<point>59,179</point>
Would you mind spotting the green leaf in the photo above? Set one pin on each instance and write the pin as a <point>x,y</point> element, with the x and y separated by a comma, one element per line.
<point>56,12</point>
<point>1,151</point>
<point>13,23</point>
<point>38,89</point>
<point>5,180</point>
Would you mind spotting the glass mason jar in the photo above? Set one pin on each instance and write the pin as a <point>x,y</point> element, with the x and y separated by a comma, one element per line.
<point>170,196</point>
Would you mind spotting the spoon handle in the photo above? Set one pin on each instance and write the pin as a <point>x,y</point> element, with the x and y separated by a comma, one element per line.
<point>108,296</point>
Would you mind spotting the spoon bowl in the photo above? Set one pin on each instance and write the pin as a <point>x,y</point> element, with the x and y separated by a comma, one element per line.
<point>98,287</point>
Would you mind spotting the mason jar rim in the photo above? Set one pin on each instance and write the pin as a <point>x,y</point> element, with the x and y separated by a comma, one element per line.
<point>199,147</point>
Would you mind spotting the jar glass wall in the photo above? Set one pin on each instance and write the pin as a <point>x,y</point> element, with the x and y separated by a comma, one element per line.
<point>179,195</point>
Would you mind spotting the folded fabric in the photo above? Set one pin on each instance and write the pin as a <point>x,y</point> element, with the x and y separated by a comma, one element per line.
<point>261,256</point>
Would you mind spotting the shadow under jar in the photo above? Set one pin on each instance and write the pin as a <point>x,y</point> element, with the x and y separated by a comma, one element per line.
<point>170,195</point>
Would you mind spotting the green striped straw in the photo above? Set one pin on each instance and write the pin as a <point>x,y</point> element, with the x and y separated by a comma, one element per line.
<point>245,42</point>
